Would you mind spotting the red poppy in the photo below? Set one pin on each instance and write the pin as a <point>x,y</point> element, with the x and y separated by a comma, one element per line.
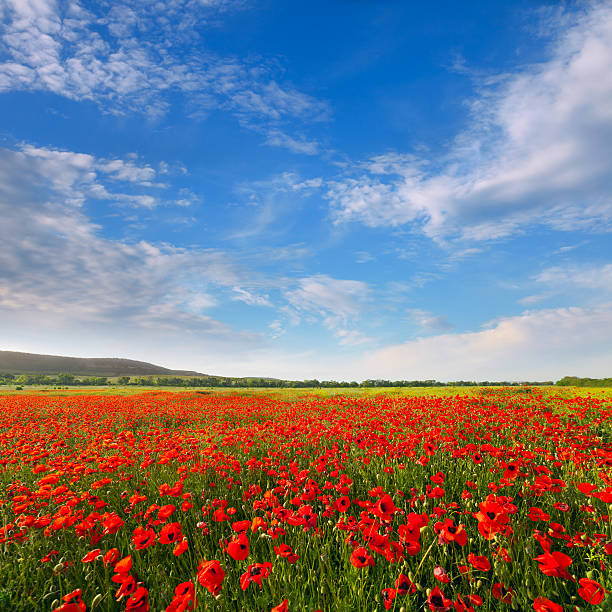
<point>502,592</point>
<point>282,607</point>
<point>180,548</point>
<point>238,547</point>
<point>361,557</point>
<point>111,556</point>
<point>541,604</point>
<point>342,504</point>
<point>449,532</point>
<point>91,556</point>
<point>143,538</point>
<point>554,564</point>
<point>404,585</point>
<point>591,591</point>
<point>255,573</point>
<point>284,550</point>
<point>139,601</point>
<point>211,575</point>
<point>437,601</point>
<point>388,595</point>
<point>170,533</point>
<point>441,575</point>
<point>492,519</point>
<point>479,562</point>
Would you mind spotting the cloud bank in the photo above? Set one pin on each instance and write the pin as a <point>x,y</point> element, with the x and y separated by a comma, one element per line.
<point>537,150</point>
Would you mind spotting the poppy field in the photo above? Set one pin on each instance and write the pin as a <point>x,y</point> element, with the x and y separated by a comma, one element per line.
<point>187,501</point>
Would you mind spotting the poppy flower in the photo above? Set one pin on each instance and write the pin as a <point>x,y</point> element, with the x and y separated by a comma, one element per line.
<point>541,604</point>
<point>170,533</point>
<point>238,547</point>
<point>554,564</point>
<point>184,598</point>
<point>479,562</point>
<point>502,592</point>
<point>241,526</point>
<point>139,601</point>
<point>211,575</point>
<point>492,519</point>
<point>361,557</point>
<point>342,504</point>
<point>180,548</point>
<point>449,532</point>
<point>127,587</point>
<point>111,556</point>
<point>388,595</point>
<point>91,556</point>
<point>282,607</point>
<point>123,566</point>
<point>404,585</point>
<point>591,591</point>
<point>284,550</point>
<point>255,573</point>
<point>437,601</point>
<point>143,538</point>
<point>441,575</point>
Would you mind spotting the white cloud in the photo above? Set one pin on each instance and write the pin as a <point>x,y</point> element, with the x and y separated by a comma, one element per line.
<point>78,176</point>
<point>55,266</point>
<point>300,144</point>
<point>537,150</point>
<point>429,321</point>
<point>242,295</point>
<point>537,345</point>
<point>586,276</point>
<point>337,302</point>
<point>130,57</point>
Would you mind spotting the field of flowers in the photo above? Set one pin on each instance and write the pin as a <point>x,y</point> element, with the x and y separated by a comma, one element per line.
<point>187,501</point>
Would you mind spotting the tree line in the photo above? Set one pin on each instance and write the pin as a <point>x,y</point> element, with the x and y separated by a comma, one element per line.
<point>224,381</point>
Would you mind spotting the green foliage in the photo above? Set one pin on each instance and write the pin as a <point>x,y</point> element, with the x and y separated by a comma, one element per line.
<point>575,381</point>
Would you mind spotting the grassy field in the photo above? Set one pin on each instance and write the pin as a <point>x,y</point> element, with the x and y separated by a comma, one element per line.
<point>265,500</point>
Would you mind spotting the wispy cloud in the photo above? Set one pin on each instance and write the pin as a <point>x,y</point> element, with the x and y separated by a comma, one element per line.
<point>428,321</point>
<point>337,302</point>
<point>132,57</point>
<point>536,150</point>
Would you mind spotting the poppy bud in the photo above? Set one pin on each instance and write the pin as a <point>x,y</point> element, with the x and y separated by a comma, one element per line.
<point>96,600</point>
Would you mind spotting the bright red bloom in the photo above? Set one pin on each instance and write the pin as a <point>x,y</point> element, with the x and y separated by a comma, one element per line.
<point>238,547</point>
<point>181,547</point>
<point>184,598</point>
<point>541,604</point>
<point>502,592</point>
<point>479,562</point>
<point>404,585</point>
<point>554,564</point>
<point>170,533</point>
<point>441,575</point>
<point>492,519</point>
<point>361,557</point>
<point>591,591</point>
<point>342,504</point>
<point>388,595</point>
<point>139,601</point>
<point>437,601</point>
<point>255,573</point>
<point>143,538</point>
<point>211,575</point>
<point>449,532</point>
<point>282,607</point>
<point>91,556</point>
<point>284,550</point>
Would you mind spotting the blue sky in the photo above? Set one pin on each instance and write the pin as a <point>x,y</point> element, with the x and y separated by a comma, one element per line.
<point>346,190</point>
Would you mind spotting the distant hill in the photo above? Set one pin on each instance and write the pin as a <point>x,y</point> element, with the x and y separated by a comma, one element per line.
<point>13,362</point>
